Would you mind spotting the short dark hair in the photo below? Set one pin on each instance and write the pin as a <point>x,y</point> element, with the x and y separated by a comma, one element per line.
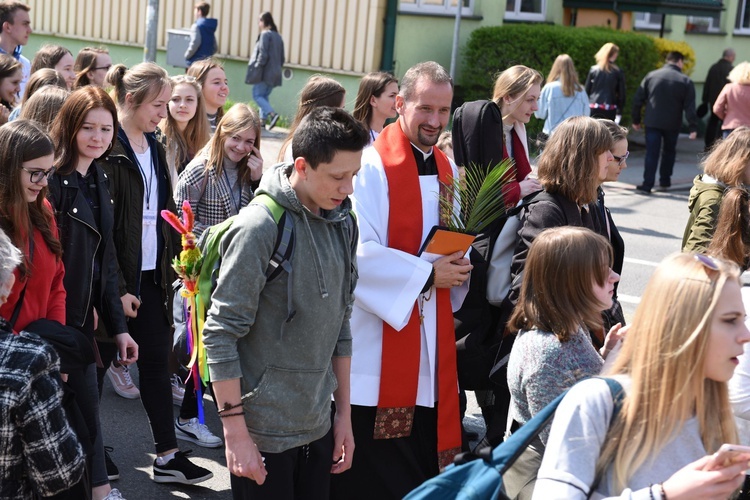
<point>675,56</point>
<point>8,11</point>
<point>326,131</point>
<point>204,7</point>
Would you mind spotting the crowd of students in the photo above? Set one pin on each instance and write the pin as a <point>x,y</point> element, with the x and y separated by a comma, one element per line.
<point>86,174</point>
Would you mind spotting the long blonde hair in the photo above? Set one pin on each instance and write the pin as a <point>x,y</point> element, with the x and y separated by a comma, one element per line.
<point>515,82</point>
<point>603,56</point>
<point>564,70</point>
<point>239,118</point>
<point>664,355</point>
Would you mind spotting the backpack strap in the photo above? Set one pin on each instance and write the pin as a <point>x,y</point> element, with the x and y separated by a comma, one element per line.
<point>284,248</point>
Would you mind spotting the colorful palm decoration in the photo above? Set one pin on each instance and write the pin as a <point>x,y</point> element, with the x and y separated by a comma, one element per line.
<point>188,266</point>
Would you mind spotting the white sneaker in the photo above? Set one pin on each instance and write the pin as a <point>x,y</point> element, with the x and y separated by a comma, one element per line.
<point>178,390</point>
<point>197,433</point>
<point>122,383</point>
<point>114,494</point>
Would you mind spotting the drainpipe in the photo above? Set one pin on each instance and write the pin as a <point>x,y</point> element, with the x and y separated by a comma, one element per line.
<point>619,14</point>
<point>389,35</point>
<point>152,21</point>
<point>456,29</point>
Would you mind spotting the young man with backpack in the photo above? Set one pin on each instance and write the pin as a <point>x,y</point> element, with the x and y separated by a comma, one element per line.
<point>278,349</point>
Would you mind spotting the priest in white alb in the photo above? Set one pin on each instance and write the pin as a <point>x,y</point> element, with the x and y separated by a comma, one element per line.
<point>404,390</point>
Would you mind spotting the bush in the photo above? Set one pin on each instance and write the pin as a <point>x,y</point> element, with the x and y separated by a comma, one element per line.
<point>664,46</point>
<point>492,49</point>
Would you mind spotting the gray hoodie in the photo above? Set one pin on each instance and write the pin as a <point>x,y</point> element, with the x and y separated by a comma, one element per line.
<point>285,367</point>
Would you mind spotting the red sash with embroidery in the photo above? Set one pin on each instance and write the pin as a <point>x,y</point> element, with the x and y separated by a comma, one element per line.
<point>512,191</point>
<point>399,374</point>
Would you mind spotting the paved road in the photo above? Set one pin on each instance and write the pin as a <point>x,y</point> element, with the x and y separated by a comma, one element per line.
<point>651,226</point>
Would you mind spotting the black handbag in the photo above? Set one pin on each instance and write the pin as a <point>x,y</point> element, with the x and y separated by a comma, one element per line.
<point>254,74</point>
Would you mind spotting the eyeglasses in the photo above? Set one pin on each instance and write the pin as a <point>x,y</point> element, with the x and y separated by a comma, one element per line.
<point>621,159</point>
<point>103,67</point>
<point>36,176</point>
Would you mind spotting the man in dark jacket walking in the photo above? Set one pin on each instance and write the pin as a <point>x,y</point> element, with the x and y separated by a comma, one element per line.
<point>715,81</point>
<point>202,35</point>
<point>667,93</point>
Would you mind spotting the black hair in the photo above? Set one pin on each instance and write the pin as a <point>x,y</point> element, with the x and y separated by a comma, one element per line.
<point>326,131</point>
<point>674,57</point>
<point>267,19</point>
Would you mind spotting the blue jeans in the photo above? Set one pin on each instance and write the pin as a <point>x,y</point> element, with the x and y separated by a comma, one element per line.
<point>261,91</point>
<point>654,137</point>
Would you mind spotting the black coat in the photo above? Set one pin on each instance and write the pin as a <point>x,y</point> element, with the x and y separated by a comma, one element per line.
<point>606,87</point>
<point>715,81</point>
<point>127,189</point>
<point>667,92</point>
<point>80,237</point>
<point>478,134</point>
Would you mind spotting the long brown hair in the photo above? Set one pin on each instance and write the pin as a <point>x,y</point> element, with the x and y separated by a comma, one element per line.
<point>48,56</point>
<point>318,91</point>
<point>371,85</point>
<point>21,141</point>
<point>569,165</point>
<point>70,119</point>
<point>199,70</point>
<point>41,78</point>
<point>557,293</point>
<point>729,158</point>
<point>731,238</point>
<point>183,146</point>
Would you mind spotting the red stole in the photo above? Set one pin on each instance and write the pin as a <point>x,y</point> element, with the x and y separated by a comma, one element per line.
<point>399,374</point>
<point>512,192</point>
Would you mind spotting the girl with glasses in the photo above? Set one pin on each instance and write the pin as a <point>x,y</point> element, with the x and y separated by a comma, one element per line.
<point>26,163</point>
<point>91,66</point>
<point>681,349</point>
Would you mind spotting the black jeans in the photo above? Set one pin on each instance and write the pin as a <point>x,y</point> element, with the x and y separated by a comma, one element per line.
<point>301,473</point>
<point>152,332</point>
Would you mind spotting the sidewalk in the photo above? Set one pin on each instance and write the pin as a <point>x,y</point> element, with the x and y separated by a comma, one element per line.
<point>689,155</point>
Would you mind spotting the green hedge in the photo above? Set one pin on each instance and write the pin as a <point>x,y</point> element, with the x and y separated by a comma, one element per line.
<point>492,49</point>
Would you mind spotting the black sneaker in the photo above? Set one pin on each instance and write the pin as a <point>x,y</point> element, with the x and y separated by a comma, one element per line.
<point>113,473</point>
<point>642,190</point>
<point>271,121</point>
<point>180,470</point>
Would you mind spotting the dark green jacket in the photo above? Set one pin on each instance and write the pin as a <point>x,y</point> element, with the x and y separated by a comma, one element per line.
<point>126,187</point>
<point>703,203</point>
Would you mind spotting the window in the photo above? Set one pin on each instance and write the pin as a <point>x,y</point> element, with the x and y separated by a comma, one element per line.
<point>438,6</point>
<point>526,10</point>
<point>743,16</point>
<point>703,24</point>
<point>648,20</point>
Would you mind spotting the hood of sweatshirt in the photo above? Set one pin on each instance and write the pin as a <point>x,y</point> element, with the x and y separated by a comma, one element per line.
<point>208,22</point>
<point>702,185</point>
<point>275,183</point>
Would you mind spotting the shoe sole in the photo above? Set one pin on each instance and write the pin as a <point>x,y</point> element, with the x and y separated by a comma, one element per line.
<point>120,392</point>
<point>180,434</point>
<point>177,477</point>
<point>113,477</point>
<point>273,122</point>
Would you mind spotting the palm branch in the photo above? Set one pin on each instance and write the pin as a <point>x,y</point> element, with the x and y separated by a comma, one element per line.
<point>471,204</point>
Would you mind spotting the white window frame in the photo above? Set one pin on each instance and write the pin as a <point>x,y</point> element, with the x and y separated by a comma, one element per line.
<point>711,27</point>
<point>647,23</point>
<point>742,7</point>
<point>421,7</point>
<point>517,15</point>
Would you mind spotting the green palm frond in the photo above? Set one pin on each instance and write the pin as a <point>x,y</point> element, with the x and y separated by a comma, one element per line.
<point>479,197</point>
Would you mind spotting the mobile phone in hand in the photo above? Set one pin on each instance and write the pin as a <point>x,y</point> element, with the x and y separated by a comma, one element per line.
<point>727,455</point>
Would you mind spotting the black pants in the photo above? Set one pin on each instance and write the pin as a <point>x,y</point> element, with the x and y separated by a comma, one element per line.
<point>302,473</point>
<point>388,468</point>
<point>152,332</point>
<point>713,130</point>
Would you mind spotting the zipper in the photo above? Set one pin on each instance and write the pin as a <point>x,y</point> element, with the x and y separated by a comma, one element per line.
<point>91,278</point>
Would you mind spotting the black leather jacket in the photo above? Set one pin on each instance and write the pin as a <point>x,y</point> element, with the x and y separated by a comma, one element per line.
<point>80,240</point>
<point>126,186</point>
<point>605,87</point>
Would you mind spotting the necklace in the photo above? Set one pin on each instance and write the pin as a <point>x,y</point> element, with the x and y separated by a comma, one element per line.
<point>142,145</point>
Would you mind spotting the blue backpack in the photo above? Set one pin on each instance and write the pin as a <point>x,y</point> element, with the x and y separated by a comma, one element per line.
<point>483,478</point>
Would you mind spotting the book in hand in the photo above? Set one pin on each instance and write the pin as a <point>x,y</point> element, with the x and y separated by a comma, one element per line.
<point>442,241</point>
